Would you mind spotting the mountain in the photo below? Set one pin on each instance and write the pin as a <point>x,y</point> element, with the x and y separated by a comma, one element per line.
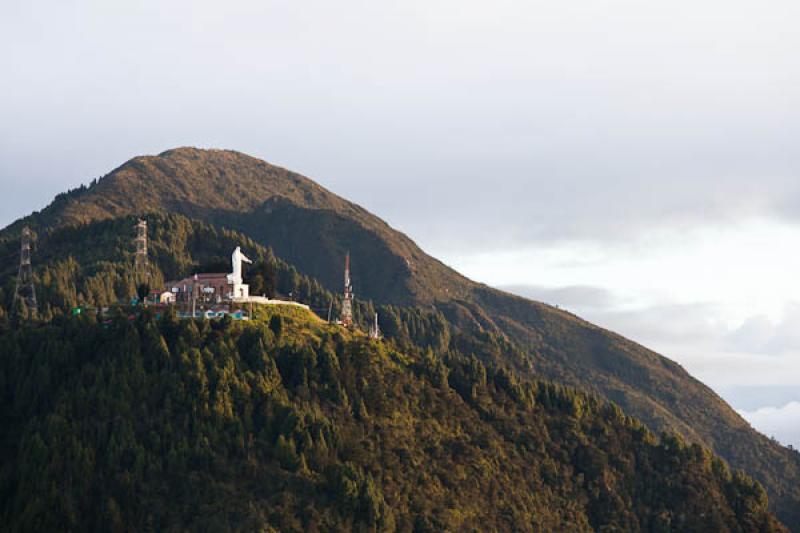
<point>311,228</point>
<point>305,224</point>
<point>287,423</point>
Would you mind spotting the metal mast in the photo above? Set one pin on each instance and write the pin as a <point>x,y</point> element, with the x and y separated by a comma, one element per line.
<point>140,263</point>
<point>25,290</point>
<point>374,330</point>
<point>347,301</point>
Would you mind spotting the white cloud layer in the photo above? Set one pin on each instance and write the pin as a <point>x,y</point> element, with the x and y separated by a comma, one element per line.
<point>760,334</point>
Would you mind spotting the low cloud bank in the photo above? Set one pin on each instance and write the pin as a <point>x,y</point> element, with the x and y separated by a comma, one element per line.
<point>761,335</point>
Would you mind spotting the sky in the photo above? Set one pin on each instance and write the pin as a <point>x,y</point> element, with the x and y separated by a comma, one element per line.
<point>633,162</point>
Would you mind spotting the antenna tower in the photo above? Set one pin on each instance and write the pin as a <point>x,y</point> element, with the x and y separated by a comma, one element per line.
<point>140,264</point>
<point>25,290</point>
<point>374,330</point>
<point>347,300</point>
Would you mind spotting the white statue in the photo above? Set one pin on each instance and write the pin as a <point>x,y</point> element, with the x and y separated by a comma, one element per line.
<point>236,261</point>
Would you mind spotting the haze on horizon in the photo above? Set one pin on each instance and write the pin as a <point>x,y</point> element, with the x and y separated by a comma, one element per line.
<point>634,163</point>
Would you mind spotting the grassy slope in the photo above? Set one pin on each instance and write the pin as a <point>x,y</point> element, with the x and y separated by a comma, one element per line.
<point>311,228</point>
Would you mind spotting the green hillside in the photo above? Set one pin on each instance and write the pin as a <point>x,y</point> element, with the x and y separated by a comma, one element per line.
<point>310,229</point>
<point>286,423</point>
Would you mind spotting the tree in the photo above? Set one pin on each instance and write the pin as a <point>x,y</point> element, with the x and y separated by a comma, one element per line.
<point>276,325</point>
<point>263,278</point>
<point>142,290</point>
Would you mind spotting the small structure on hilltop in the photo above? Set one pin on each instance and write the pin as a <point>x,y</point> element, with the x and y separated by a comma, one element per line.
<point>208,287</point>
<point>164,297</point>
<point>216,291</point>
<point>214,287</point>
<point>346,317</point>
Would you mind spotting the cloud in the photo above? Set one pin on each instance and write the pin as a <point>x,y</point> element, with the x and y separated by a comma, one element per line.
<point>783,423</point>
<point>759,334</point>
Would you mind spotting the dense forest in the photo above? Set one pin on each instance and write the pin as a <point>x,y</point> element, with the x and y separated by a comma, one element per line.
<point>287,423</point>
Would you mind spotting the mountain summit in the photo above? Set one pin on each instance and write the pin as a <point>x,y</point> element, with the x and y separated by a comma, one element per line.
<point>304,223</point>
<point>312,229</point>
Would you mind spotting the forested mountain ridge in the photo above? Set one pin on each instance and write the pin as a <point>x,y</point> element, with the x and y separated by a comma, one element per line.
<point>311,228</point>
<point>287,423</point>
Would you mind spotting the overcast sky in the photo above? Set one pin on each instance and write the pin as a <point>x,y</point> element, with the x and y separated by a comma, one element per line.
<point>635,162</point>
